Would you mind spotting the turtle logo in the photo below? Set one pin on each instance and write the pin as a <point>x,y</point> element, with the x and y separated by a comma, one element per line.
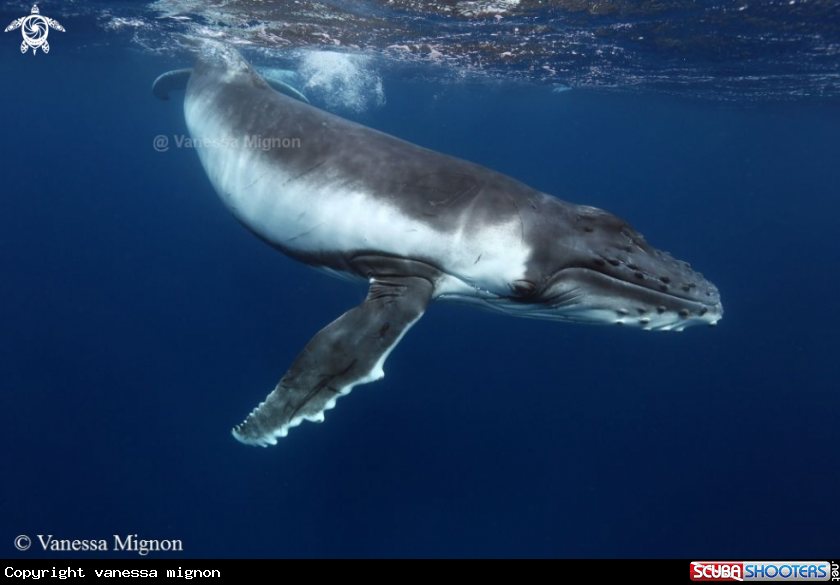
<point>35,29</point>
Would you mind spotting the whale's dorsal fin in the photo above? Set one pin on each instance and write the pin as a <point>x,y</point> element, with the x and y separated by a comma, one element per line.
<point>177,81</point>
<point>349,351</point>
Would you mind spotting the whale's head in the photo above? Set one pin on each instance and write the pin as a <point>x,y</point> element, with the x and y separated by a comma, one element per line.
<point>598,269</point>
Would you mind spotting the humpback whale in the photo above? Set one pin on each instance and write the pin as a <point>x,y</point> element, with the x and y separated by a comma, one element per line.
<point>416,226</point>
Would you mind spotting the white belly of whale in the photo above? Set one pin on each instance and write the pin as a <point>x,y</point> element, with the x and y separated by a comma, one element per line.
<point>322,213</point>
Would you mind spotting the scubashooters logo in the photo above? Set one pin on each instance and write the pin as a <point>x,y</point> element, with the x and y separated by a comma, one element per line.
<point>35,29</point>
<point>788,571</point>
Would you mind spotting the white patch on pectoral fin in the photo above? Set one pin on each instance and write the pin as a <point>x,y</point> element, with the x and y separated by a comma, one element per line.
<point>349,351</point>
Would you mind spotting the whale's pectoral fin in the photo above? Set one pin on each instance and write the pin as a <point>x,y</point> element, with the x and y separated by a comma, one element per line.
<point>349,351</point>
<point>285,89</point>
<point>171,81</point>
<point>177,81</point>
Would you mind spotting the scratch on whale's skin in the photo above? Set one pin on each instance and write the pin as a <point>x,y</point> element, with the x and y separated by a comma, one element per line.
<point>416,226</point>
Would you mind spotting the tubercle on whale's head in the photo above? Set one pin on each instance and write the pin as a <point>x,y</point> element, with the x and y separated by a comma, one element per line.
<point>605,272</point>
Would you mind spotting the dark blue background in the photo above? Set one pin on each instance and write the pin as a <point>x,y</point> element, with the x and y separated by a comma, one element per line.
<point>139,322</point>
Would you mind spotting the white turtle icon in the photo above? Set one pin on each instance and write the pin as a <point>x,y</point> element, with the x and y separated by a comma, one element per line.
<point>35,29</point>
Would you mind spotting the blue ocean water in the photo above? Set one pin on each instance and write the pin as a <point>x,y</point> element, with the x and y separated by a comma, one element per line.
<point>139,322</point>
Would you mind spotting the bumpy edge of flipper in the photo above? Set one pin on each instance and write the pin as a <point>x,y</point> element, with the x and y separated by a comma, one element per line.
<point>177,81</point>
<point>348,352</point>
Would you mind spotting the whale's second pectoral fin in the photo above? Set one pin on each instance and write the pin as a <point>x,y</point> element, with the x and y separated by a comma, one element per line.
<point>285,89</point>
<point>349,351</point>
<point>169,82</point>
<point>177,81</point>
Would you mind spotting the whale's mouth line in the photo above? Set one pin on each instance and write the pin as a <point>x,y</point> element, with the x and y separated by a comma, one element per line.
<point>632,291</point>
<point>589,296</point>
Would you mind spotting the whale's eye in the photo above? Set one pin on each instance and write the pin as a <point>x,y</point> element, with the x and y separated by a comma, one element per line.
<point>524,287</point>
